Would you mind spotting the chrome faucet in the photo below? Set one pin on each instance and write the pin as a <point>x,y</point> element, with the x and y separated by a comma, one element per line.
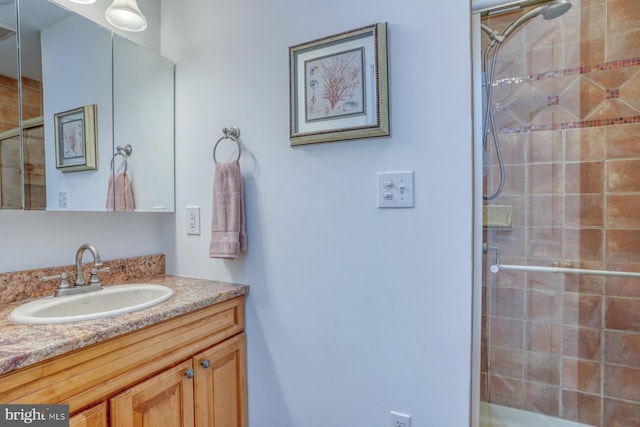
<point>65,289</point>
<point>97,262</point>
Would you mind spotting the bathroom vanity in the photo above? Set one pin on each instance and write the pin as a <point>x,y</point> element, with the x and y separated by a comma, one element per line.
<point>180,363</point>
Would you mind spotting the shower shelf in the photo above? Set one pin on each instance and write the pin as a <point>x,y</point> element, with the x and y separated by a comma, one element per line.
<point>531,268</point>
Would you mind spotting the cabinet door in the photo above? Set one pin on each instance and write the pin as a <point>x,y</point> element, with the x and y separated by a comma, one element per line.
<point>93,417</point>
<point>163,400</point>
<point>221,384</point>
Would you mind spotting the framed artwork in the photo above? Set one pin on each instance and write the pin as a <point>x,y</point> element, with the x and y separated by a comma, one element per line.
<point>338,87</point>
<point>76,139</point>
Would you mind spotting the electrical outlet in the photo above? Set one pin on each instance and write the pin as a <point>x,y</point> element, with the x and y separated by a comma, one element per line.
<point>63,199</point>
<point>400,420</point>
<point>193,220</point>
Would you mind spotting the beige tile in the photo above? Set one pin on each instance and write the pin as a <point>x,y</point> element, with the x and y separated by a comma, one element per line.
<point>623,46</point>
<point>581,407</point>
<point>623,141</point>
<point>623,175</point>
<point>584,23</point>
<point>542,368</point>
<point>630,91</point>
<point>621,314</point>
<point>582,375</point>
<point>618,413</point>
<point>585,144</point>
<point>583,343</point>
<point>584,177</point>
<point>545,243</point>
<point>621,382</point>
<point>622,245</point>
<point>583,244</point>
<point>587,52</point>
<point>584,210</point>
<point>623,211</point>
<point>507,362</point>
<point>543,337</point>
<point>582,97</point>
<point>541,398</point>
<point>622,348</point>
<point>545,178</point>
<point>544,305</point>
<point>582,310</point>
<point>623,16</point>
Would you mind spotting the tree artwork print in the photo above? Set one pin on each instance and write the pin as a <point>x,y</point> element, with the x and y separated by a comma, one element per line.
<point>334,86</point>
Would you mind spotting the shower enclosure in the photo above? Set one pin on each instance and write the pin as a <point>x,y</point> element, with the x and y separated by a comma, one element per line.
<point>559,328</point>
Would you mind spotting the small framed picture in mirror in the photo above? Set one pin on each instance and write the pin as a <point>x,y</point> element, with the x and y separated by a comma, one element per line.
<point>76,139</point>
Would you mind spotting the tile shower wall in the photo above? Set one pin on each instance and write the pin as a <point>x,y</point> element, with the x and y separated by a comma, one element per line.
<point>8,103</point>
<point>31,101</point>
<point>567,106</point>
<point>33,153</point>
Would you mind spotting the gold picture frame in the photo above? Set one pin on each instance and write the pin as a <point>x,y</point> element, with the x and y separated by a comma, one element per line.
<point>338,87</point>
<point>76,139</point>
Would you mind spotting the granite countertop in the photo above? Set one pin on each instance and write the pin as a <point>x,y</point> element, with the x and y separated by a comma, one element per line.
<point>24,345</point>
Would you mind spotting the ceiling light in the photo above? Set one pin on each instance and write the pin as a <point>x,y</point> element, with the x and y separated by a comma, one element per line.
<point>125,15</point>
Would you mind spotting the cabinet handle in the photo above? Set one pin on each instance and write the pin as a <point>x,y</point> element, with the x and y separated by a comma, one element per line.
<point>205,363</point>
<point>189,373</point>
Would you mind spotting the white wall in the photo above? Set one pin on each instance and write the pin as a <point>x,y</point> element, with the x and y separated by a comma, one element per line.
<point>354,310</point>
<point>149,38</point>
<point>35,239</point>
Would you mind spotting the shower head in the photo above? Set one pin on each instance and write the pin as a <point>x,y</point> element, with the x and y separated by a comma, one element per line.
<point>556,9</point>
<point>551,10</point>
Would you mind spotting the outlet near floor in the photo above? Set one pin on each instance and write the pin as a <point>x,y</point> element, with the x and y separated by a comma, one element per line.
<point>400,420</point>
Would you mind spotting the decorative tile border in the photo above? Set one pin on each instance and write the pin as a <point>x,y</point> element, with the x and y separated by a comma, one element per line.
<point>572,125</point>
<point>610,93</point>
<point>586,69</point>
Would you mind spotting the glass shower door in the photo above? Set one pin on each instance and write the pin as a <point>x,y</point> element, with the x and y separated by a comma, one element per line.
<point>561,289</point>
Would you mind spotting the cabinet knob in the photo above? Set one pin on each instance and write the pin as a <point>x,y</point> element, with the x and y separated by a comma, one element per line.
<point>205,363</point>
<point>189,373</point>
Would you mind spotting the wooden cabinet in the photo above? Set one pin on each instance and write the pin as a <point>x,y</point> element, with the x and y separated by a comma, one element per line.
<point>208,390</point>
<point>163,400</point>
<point>95,416</point>
<point>187,371</point>
<point>220,385</point>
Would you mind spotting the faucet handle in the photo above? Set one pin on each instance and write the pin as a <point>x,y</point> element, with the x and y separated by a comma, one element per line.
<point>93,278</point>
<point>63,277</point>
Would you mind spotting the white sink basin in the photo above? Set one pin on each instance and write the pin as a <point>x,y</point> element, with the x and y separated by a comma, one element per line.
<point>110,301</point>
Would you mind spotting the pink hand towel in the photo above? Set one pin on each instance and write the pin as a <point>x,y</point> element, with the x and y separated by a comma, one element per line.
<point>228,236</point>
<point>119,193</point>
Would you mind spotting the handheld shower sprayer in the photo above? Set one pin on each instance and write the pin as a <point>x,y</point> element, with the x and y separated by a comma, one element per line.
<point>550,10</point>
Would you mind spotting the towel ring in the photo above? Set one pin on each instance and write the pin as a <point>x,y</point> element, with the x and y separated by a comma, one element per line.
<point>125,152</point>
<point>229,133</point>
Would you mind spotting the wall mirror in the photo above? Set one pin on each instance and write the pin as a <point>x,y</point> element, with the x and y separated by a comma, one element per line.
<point>82,88</point>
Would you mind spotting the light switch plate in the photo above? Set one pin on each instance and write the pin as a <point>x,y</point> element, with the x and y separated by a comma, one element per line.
<point>395,189</point>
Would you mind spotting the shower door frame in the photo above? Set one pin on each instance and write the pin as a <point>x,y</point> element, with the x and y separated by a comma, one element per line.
<point>476,64</point>
<point>477,7</point>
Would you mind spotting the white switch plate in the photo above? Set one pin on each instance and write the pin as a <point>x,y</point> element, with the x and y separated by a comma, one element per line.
<point>395,189</point>
<point>193,220</point>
